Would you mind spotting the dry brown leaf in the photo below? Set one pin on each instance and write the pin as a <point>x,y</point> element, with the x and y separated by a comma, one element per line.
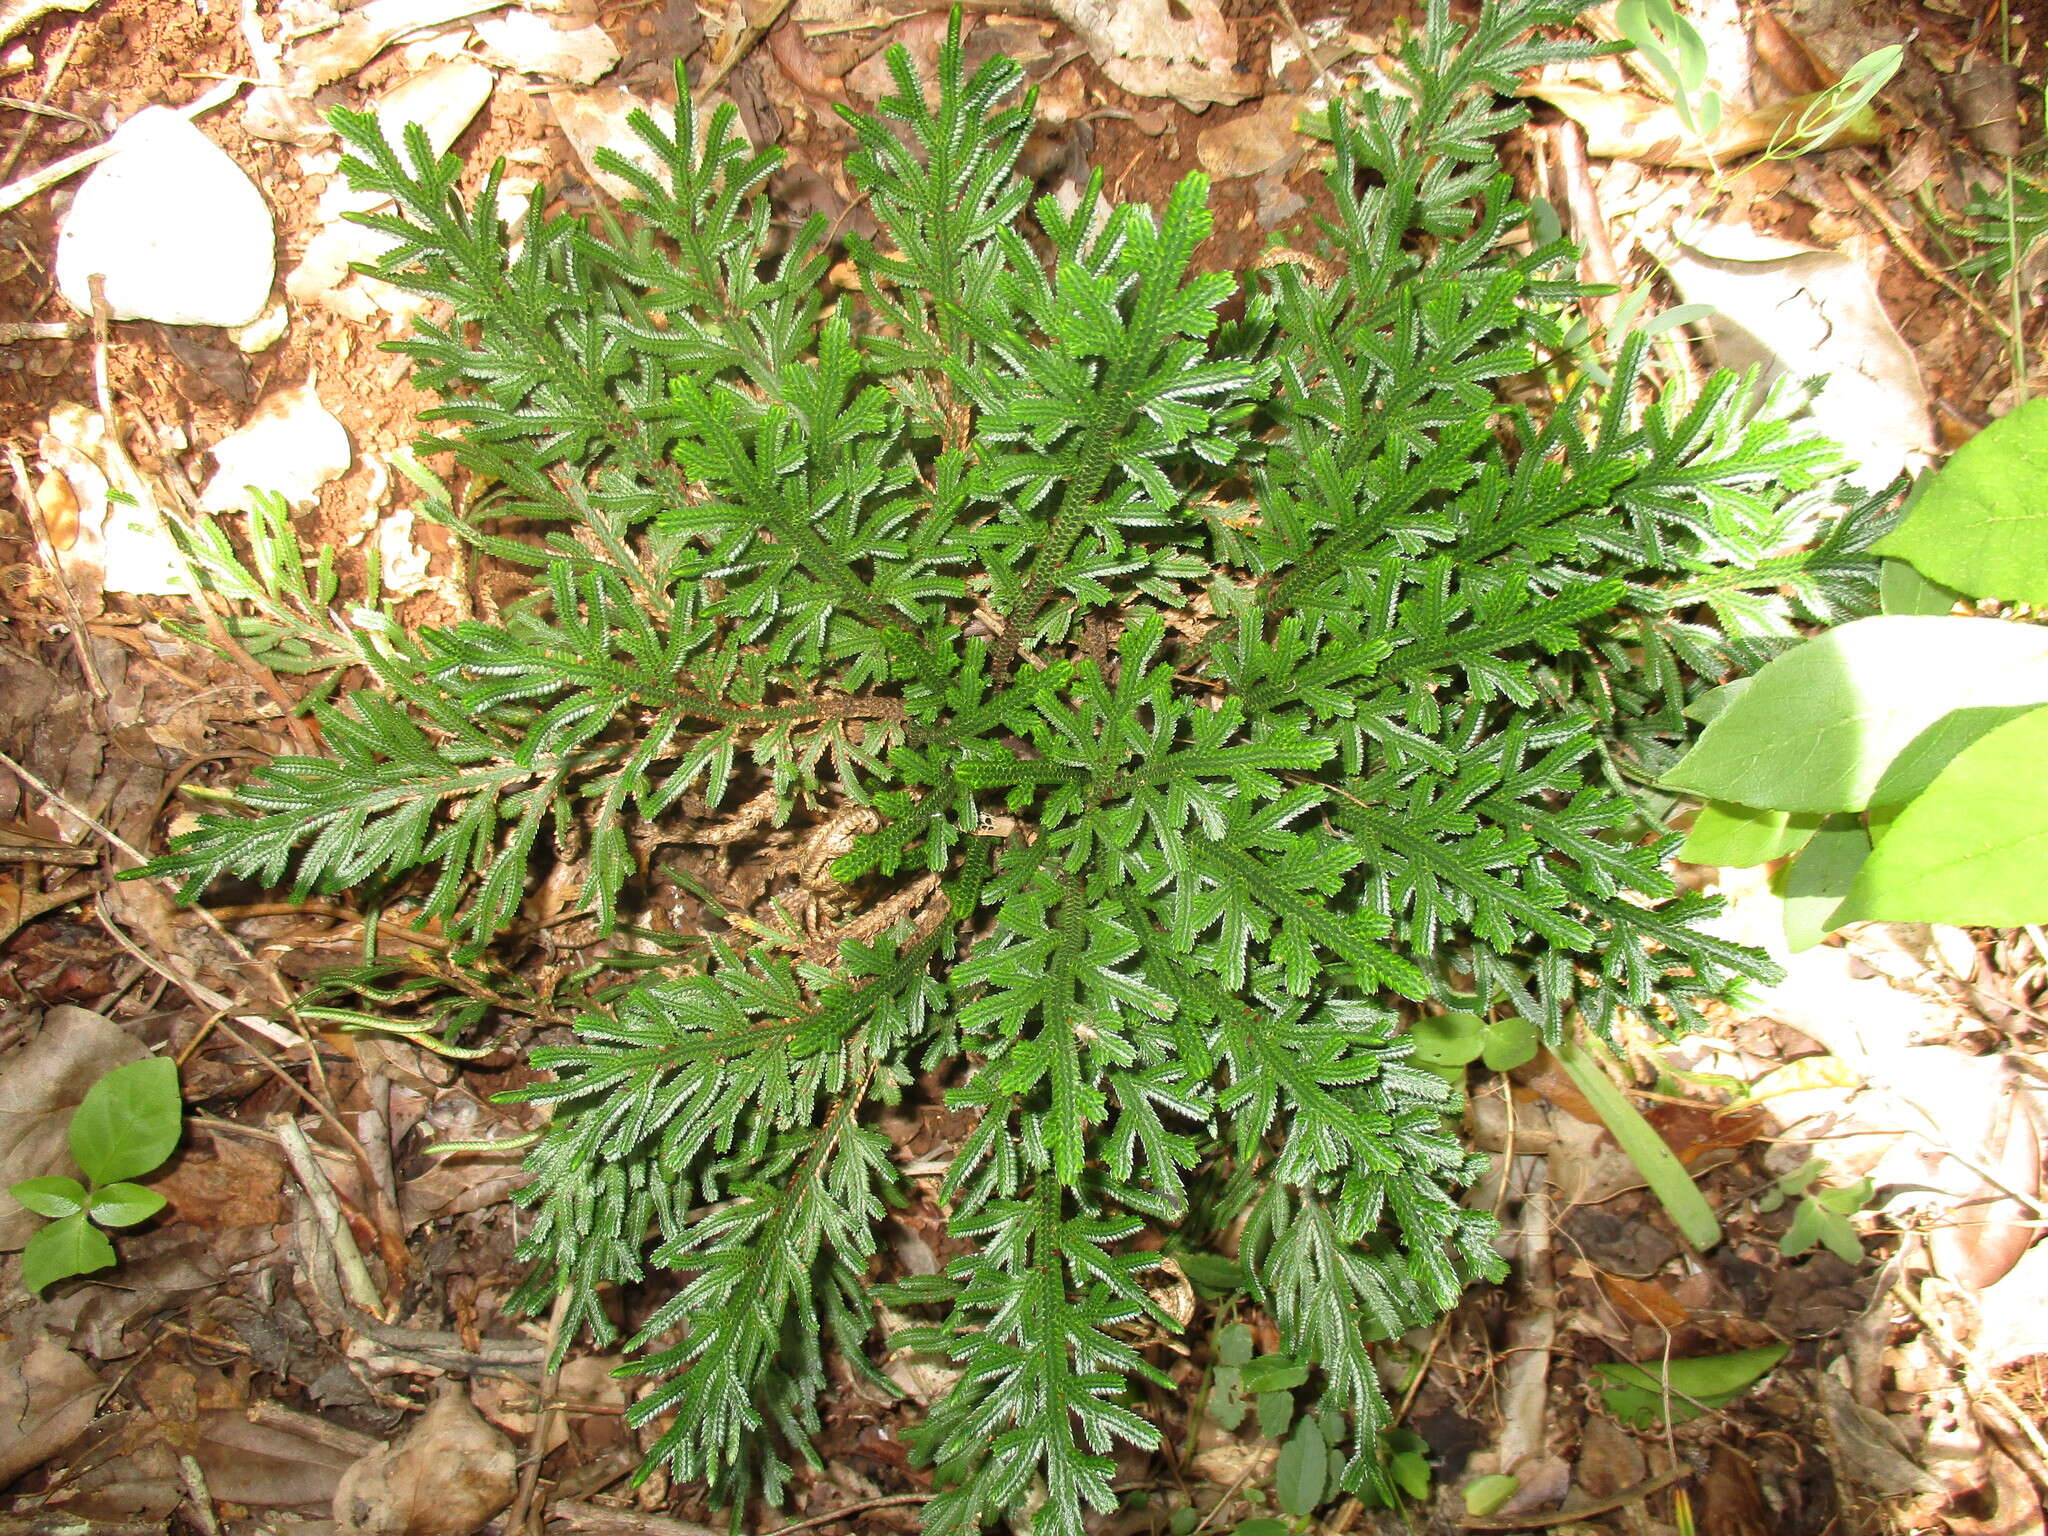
<point>1255,142</point>
<point>1621,125</point>
<point>1644,1301</point>
<point>1144,48</point>
<point>220,1182</point>
<point>450,1473</point>
<point>48,1397</point>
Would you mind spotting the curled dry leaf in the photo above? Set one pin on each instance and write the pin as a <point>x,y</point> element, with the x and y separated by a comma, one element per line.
<point>533,45</point>
<point>367,32</point>
<point>1621,125</point>
<point>1253,143</point>
<point>1794,310</point>
<point>450,1473</point>
<point>116,547</point>
<point>1148,50</point>
<point>442,101</point>
<point>596,119</point>
<point>48,1397</point>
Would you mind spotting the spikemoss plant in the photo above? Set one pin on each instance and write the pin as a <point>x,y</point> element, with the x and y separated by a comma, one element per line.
<point>1208,676</point>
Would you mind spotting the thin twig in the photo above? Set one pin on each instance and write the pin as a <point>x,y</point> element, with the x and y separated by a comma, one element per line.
<point>529,1508</point>
<point>1308,48</point>
<point>41,181</point>
<point>1873,206</point>
<point>1976,1380</point>
<point>741,47</point>
<point>348,1258</point>
<point>586,1516</point>
<point>46,546</point>
<point>194,1477</point>
<point>889,1501</point>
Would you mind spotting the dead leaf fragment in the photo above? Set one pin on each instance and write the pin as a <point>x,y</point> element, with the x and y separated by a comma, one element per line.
<point>48,1397</point>
<point>450,1473</point>
<point>1796,311</point>
<point>367,32</point>
<point>1621,125</point>
<point>1253,143</point>
<point>1144,48</point>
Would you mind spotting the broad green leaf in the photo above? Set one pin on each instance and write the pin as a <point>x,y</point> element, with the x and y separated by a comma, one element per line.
<point>1484,1495</point>
<point>1210,1273</point>
<point>1510,1043</point>
<point>1814,1225</point>
<point>1715,701</point>
<point>1867,713</point>
<point>72,1246</point>
<point>1410,1471</point>
<point>1276,1412</point>
<point>1448,1039</point>
<point>1903,590</point>
<point>1970,850</point>
<point>1982,524</point>
<point>1234,1345</point>
<point>1299,1475</point>
<point>1849,1199</point>
<point>129,1121</point>
<point>55,1196</point>
<point>1738,836</point>
<point>1816,885</point>
<point>1273,1373</point>
<point>123,1205</point>
<point>1227,1404</point>
<point>1642,1396</point>
<point>1264,1526</point>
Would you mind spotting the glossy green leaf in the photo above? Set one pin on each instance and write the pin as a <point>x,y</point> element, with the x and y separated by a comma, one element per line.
<point>54,1196</point>
<point>129,1121</point>
<point>1903,590</point>
<point>123,1205</point>
<point>1973,848</point>
<point>1868,713</point>
<point>1410,1472</point>
<point>1676,1392</point>
<point>72,1246</point>
<point>1299,1475</point>
<point>1210,1273</point>
<point>1484,1495</point>
<point>1982,525</point>
<point>1510,1043</point>
<point>1714,703</point>
<point>1448,1039</point>
<point>1738,836</point>
<point>1816,885</point>
<point>1273,1373</point>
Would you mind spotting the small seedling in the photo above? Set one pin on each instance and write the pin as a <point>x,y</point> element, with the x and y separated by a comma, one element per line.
<point>1673,47</point>
<point>127,1125</point>
<point>1826,113</point>
<point>1821,1218</point>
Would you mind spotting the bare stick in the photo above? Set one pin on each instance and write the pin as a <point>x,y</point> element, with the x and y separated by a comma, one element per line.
<point>355,1274</point>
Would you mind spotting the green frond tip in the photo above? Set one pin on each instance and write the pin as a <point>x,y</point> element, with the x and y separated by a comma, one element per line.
<point>1054,692</point>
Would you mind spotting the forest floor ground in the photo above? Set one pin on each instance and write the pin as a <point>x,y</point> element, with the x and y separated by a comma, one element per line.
<point>209,1382</point>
